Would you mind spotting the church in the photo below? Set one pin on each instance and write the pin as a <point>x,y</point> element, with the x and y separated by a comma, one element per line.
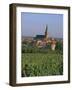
<point>43,40</point>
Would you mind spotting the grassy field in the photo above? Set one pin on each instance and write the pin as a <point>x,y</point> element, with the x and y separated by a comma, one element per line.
<point>42,64</point>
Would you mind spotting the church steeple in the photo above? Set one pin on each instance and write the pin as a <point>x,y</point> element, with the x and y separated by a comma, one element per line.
<point>46,32</point>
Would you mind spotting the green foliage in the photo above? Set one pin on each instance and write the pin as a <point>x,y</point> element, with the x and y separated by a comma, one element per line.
<point>40,64</point>
<point>41,61</point>
<point>29,48</point>
<point>48,46</point>
<point>33,49</point>
<point>59,46</point>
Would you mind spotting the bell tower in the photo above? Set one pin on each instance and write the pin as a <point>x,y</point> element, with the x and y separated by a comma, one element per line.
<point>46,32</point>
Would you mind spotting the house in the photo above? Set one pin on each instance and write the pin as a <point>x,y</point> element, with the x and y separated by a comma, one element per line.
<point>53,44</point>
<point>43,40</point>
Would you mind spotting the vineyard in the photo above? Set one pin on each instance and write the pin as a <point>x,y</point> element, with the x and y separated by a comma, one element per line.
<point>42,64</point>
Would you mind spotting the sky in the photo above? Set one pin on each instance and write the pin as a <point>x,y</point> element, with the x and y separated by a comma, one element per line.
<point>33,24</point>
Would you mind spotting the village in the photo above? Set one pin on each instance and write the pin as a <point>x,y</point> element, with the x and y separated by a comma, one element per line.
<point>41,41</point>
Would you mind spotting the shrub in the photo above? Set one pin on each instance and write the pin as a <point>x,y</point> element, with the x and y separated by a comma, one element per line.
<point>59,45</point>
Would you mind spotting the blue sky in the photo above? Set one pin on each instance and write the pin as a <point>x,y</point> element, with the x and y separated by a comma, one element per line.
<point>33,24</point>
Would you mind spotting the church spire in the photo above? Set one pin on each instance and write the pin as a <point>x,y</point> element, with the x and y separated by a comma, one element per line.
<point>46,32</point>
<point>46,29</point>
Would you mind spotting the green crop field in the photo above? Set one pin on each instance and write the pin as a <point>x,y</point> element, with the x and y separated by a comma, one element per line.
<point>41,64</point>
